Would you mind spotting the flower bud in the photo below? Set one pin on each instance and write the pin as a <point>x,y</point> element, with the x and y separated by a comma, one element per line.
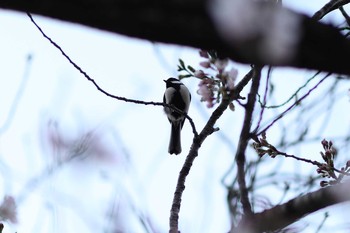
<point>323,183</point>
<point>205,64</point>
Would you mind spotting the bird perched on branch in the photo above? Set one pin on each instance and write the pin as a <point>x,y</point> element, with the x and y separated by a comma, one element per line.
<point>176,95</point>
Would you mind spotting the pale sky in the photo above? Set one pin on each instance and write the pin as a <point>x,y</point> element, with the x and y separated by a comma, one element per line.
<point>58,105</point>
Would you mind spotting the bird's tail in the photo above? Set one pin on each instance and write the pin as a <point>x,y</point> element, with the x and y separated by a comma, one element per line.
<point>175,139</point>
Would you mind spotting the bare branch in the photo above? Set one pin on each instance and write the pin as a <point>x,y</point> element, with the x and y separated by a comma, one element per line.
<point>197,142</point>
<point>12,111</point>
<point>186,22</point>
<point>86,75</point>
<point>330,6</point>
<point>243,141</point>
<point>292,106</point>
<point>102,90</point>
<point>282,215</point>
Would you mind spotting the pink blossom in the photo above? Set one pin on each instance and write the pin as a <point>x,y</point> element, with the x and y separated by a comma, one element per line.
<point>233,73</point>
<point>199,74</point>
<point>8,209</point>
<point>221,64</point>
<point>206,91</point>
<point>205,64</point>
<point>231,78</point>
<point>203,53</point>
<point>210,104</point>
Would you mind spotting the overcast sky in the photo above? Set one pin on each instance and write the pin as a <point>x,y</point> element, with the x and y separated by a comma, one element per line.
<point>48,109</point>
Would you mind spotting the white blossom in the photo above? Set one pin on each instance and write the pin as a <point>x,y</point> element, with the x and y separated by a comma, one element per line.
<point>221,64</point>
<point>272,32</point>
<point>231,77</point>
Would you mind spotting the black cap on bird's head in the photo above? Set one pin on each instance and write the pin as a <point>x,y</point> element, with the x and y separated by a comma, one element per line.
<point>171,79</point>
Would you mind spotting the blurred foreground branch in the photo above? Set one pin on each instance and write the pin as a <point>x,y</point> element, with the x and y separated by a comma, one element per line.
<point>282,215</point>
<point>319,46</point>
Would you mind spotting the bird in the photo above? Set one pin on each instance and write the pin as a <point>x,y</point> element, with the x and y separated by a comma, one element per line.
<point>176,94</point>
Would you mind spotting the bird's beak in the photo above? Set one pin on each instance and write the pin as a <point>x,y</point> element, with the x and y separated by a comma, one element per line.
<point>164,81</point>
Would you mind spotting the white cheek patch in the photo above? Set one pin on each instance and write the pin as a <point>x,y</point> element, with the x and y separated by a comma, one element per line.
<point>177,82</point>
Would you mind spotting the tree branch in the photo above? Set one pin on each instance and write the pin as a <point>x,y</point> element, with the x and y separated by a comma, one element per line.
<point>76,66</point>
<point>187,23</point>
<point>281,216</point>
<point>243,141</point>
<point>330,6</point>
<point>296,103</point>
<point>197,142</point>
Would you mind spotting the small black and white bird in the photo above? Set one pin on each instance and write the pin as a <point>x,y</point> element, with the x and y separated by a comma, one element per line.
<point>177,95</point>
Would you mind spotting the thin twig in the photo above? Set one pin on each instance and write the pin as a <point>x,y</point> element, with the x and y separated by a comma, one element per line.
<point>263,104</point>
<point>197,142</point>
<point>14,105</point>
<point>105,92</point>
<point>326,215</point>
<point>345,15</point>
<point>86,75</point>
<point>293,96</point>
<point>292,106</point>
<point>313,162</point>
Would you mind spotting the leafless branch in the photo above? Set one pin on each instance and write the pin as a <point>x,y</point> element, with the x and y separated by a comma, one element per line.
<point>282,215</point>
<point>10,116</point>
<point>330,6</point>
<point>292,106</point>
<point>186,22</point>
<point>76,66</point>
<point>243,141</point>
<point>197,142</point>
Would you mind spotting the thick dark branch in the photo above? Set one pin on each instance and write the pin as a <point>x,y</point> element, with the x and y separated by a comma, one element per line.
<point>188,23</point>
<point>177,22</point>
<point>330,6</point>
<point>281,216</point>
<point>197,142</point>
<point>243,141</point>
